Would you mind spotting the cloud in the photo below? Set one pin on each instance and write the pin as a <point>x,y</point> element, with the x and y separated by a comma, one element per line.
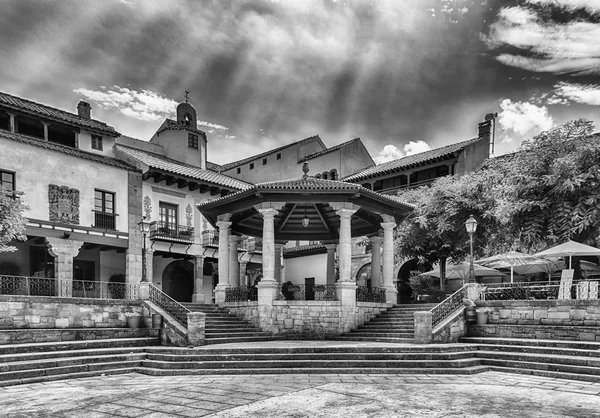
<point>392,152</point>
<point>546,46</point>
<point>591,6</point>
<point>143,105</point>
<point>522,118</point>
<point>212,125</point>
<point>564,92</point>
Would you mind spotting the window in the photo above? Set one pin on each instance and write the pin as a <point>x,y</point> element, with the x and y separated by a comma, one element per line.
<point>7,180</point>
<point>193,141</point>
<point>264,161</point>
<point>279,156</point>
<point>97,142</point>
<point>168,216</point>
<point>239,170</point>
<point>104,208</point>
<point>251,166</point>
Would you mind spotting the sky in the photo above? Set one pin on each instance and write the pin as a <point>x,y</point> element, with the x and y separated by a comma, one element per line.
<point>404,76</point>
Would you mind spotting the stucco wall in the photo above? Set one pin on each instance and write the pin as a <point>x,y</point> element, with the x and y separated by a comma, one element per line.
<point>299,268</point>
<point>175,144</point>
<point>36,168</point>
<point>85,143</point>
<point>472,156</point>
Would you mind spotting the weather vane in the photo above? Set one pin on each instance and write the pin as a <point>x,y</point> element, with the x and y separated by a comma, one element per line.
<point>186,96</point>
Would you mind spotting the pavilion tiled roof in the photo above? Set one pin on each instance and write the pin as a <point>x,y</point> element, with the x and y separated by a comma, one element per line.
<point>103,159</point>
<point>234,164</point>
<point>169,124</point>
<point>40,110</point>
<point>409,161</point>
<point>160,162</point>
<point>328,150</point>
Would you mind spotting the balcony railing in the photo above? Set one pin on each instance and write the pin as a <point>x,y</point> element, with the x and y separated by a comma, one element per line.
<point>43,286</point>
<point>582,289</point>
<point>160,230</point>
<point>302,292</point>
<point>241,294</point>
<point>370,294</point>
<point>105,220</point>
<point>210,238</point>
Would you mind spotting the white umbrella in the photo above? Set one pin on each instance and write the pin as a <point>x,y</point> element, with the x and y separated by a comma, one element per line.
<point>569,248</point>
<point>461,271</point>
<point>518,262</point>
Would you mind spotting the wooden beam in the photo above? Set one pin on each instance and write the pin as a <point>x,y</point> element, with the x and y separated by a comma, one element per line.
<point>193,186</point>
<point>181,183</point>
<point>106,248</point>
<point>365,217</point>
<point>158,177</point>
<point>215,191</point>
<point>146,175</point>
<point>171,180</point>
<point>224,192</point>
<point>287,217</point>
<point>325,224</point>
<point>204,188</point>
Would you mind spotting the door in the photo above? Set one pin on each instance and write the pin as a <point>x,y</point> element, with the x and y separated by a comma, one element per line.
<point>309,284</point>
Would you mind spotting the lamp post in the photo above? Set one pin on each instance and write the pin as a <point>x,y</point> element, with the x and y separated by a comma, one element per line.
<point>144,226</point>
<point>471,226</point>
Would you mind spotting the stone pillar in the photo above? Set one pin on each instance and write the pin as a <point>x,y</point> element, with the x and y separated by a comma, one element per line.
<point>268,251</point>
<point>198,296</point>
<point>76,139</point>
<point>278,248</point>
<point>423,327</point>
<point>376,261</point>
<point>11,122</point>
<point>234,266</point>
<point>388,259</point>
<point>474,291</point>
<point>150,265</point>
<point>144,291</point>
<point>46,125</point>
<point>196,328</point>
<point>133,256</point>
<point>63,250</point>
<point>223,224</point>
<point>330,263</point>
<point>345,245</point>
<point>243,280</point>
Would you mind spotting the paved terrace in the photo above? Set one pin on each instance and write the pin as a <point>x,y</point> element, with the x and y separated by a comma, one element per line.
<point>489,394</point>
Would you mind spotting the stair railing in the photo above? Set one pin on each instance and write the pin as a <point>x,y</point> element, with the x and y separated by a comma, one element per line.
<point>448,306</point>
<point>170,305</point>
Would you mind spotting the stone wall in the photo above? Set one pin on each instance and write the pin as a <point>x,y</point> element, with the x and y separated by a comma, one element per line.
<point>575,312</point>
<point>312,319</point>
<point>52,312</point>
<point>451,329</point>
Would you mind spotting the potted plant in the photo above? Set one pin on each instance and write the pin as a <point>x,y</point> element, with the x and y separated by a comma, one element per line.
<point>482,315</point>
<point>134,319</point>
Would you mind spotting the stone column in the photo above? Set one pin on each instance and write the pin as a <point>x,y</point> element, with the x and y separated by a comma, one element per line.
<point>150,265</point>
<point>330,264</point>
<point>376,261</point>
<point>223,224</point>
<point>268,287</point>
<point>198,296</point>
<point>423,327</point>
<point>196,328</point>
<point>278,248</point>
<point>11,122</point>
<point>234,266</point>
<point>345,245</point>
<point>46,125</point>
<point>64,250</point>
<point>243,281</point>
<point>388,259</point>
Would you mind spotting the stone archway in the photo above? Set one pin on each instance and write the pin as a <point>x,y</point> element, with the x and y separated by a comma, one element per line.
<point>363,275</point>
<point>178,280</point>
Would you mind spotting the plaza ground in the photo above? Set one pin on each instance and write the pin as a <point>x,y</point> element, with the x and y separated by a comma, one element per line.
<point>489,394</point>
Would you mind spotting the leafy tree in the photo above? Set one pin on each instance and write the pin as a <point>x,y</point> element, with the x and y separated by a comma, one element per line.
<point>12,221</point>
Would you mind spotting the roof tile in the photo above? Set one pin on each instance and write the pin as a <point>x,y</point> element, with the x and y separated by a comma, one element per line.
<point>328,150</point>
<point>172,124</point>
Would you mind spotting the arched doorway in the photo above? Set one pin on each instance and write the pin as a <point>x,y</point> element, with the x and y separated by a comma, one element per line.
<point>178,280</point>
<point>405,293</point>
<point>363,276</point>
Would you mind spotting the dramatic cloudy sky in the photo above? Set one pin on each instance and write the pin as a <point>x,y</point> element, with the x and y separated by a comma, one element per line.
<point>402,75</point>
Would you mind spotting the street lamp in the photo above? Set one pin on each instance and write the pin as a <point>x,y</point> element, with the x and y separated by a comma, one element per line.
<point>144,226</point>
<point>471,226</point>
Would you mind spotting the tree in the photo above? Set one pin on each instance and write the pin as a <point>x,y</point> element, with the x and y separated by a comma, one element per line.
<point>12,221</point>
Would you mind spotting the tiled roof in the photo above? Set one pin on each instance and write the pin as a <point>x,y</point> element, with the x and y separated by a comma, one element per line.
<point>234,164</point>
<point>406,162</point>
<point>172,124</point>
<point>303,248</point>
<point>213,167</point>
<point>103,159</point>
<point>328,150</point>
<point>41,110</point>
<point>163,163</point>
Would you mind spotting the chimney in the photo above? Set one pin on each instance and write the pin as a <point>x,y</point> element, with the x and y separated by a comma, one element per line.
<point>485,128</point>
<point>84,110</point>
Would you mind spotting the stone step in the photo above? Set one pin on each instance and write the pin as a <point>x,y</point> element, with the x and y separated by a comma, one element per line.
<point>79,375</point>
<point>542,366</point>
<point>546,358</point>
<point>230,331</point>
<point>24,365</point>
<point>588,345</point>
<point>546,373</point>
<point>39,335</point>
<point>238,339</point>
<point>381,334</point>
<point>351,337</point>
<point>78,345</point>
<point>378,326</point>
<point>538,350</point>
<point>44,355</point>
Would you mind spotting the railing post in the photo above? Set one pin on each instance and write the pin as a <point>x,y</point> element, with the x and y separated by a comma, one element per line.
<point>196,328</point>
<point>474,291</point>
<point>144,291</point>
<point>423,327</point>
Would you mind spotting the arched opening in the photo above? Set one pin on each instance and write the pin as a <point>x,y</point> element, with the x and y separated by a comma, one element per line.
<point>178,280</point>
<point>333,174</point>
<point>405,292</point>
<point>363,276</point>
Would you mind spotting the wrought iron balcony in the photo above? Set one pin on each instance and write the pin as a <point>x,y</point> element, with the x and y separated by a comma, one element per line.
<point>105,220</point>
<point>210,238</point>
<point>165,231</point>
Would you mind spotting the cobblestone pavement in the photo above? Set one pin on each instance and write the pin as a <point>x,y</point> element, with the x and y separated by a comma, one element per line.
<point>489,394</point>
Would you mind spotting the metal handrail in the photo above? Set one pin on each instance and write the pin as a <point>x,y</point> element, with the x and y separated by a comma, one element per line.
<point>448,306</point>
<point>170,305</point>
<point>371,294</point>
<point>169,231</point>
<point>534,290</point>
<point>53,287</point>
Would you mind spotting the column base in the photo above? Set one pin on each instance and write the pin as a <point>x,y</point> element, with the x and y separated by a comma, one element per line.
<point>198,298</point>
<point>220,294</point>
<point>391,295</point>
<point>346,293</point>
<point>268,291</point>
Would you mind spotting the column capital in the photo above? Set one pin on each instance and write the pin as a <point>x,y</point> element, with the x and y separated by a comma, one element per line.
<point>387,226</point>
<point>376,239</point>
<point>225,217</point>
<point>345,213</point>
<point>234,238</point>
<point>330,247</point>
<point>267,212</point>
<point>223,225</point>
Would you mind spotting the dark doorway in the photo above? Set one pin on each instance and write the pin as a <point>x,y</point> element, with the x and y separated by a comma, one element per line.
<point>84,270</point>
<point>178,280</point>
<point>309,284</point>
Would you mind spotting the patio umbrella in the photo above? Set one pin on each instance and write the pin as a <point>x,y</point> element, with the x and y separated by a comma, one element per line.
<point>519,262</point>
<point>569,248</point>
<point>461,271</point>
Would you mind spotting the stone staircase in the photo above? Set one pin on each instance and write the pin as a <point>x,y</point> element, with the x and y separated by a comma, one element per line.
<point>395,325</point>
<point>222,327</point>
